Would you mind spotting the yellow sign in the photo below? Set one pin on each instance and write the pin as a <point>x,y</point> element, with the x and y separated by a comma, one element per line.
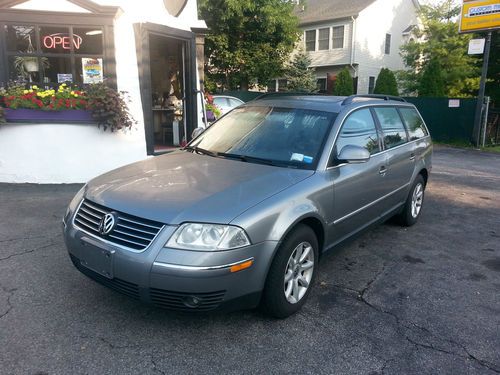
<point>480,15</point>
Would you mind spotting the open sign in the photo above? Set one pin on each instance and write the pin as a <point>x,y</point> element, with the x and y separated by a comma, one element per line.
<point>62,40</point>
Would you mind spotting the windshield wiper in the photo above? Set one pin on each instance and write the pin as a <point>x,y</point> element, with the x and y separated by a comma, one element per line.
<point>199,150</point>
<point>254,159</point>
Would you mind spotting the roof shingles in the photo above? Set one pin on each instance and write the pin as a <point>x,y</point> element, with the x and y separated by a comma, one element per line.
<point>326,10</point>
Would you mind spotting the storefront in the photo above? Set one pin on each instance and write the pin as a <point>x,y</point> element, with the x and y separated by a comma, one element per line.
<point>152,50</point>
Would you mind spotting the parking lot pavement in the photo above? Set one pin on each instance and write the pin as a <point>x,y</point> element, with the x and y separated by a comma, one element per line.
<point>424,300</point>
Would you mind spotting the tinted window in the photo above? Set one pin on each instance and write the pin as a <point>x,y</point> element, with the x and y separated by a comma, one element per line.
<point>359,130</point>
<point>392,126</point>
<point>234,102</point>
<point>287,136</point>
<point>414,123</point>
<point>220,102</point>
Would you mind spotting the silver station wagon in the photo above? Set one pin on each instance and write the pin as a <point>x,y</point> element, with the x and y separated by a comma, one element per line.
<point>242,215</point>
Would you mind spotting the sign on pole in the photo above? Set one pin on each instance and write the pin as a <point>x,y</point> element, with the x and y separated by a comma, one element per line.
<point>476,46</point>
<point>480,15</point>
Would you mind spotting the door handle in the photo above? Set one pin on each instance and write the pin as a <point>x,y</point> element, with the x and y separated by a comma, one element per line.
<point>412,157</point>
<point>382,170</point>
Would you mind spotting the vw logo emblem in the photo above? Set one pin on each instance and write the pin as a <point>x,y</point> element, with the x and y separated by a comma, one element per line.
<point>107,224</point>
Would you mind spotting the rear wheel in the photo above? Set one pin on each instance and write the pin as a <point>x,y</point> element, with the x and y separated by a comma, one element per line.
<point>414,202</point>
<point>292,273</point>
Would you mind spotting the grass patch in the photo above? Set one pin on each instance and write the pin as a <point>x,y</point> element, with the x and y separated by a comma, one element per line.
<point>491,148</point>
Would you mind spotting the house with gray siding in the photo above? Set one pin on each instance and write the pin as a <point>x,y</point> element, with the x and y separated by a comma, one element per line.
<point>363,35</point>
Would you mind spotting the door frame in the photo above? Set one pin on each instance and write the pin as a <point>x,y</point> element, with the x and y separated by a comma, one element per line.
<point>142,32</point>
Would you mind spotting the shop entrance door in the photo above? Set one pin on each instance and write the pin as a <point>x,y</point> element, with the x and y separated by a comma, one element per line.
<point>167,58</point>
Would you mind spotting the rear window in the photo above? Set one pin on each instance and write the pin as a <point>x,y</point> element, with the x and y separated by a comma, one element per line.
<point>414,123</point>
<point>392,126</point>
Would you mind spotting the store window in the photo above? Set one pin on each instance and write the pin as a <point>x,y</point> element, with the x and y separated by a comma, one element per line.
<point>49,55</point>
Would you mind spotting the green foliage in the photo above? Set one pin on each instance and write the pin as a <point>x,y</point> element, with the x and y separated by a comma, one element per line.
<point>343,84</point>
<point>2,115</point>
<point>432,82</point>
<point>109,107</point>
<point>386,83</point>
<point>439,40</point>
<point>298,74</point>
<point>493,85</point>
<point>249,41</point>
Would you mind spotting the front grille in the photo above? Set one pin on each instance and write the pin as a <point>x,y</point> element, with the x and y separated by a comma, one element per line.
<point>129,231</point>
<point>121,286</point>
<point>177,300</point>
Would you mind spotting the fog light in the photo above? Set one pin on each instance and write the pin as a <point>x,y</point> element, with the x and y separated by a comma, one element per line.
<point>191,301</point>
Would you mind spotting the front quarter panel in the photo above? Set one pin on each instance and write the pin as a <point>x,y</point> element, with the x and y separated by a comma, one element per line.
<point>271,219</point>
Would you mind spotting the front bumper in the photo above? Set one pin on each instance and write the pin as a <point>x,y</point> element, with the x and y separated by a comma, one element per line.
<point>172,278</point>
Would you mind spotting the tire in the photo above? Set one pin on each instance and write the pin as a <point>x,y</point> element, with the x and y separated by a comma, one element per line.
<point>411,213</point>
<point>275,300</point>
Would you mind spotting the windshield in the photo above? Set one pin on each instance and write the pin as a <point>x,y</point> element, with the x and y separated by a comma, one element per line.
<point>277,136</point>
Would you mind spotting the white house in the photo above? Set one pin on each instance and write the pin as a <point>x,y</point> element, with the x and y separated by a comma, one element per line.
<point>141,47</point>
<point>363,35</point>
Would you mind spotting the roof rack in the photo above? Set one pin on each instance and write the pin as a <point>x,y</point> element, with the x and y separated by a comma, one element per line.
<point>351,98</point>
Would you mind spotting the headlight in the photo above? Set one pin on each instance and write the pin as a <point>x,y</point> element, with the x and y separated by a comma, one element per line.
<point>208,237</point>
<point>74,203</point>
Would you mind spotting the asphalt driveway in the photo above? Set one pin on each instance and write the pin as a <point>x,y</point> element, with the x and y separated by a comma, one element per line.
<point>395,301</point>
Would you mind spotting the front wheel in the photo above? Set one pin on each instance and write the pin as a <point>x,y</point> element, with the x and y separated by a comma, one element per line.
<point>414,202</point>
<point>292,273</point>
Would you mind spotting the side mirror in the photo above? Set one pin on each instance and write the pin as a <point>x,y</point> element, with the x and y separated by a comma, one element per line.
<point>353,154</point>
<point>196,132</point>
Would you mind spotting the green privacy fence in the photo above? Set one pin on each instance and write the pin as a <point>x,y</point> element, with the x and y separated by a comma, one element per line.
<point>447,119</point>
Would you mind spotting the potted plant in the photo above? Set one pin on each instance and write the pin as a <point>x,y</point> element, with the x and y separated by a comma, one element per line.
<point>27,65</point>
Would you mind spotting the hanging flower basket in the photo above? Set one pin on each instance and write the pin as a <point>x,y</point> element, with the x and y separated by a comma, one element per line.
<point>38,115</point>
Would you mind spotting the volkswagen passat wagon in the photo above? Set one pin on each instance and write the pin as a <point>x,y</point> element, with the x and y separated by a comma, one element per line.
<point>242,215</point>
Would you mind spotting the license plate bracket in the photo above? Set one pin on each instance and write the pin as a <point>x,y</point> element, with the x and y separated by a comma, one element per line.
<point>98,260</point>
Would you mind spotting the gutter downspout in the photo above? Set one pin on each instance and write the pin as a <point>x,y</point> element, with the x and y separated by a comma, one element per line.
<point>353,45</point>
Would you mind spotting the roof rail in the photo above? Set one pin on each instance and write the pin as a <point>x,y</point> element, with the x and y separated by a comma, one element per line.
<point>351,98</point>
<point>278,94</point>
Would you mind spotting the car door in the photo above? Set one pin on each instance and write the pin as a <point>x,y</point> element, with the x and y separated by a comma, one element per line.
<point>358,188</point>
<point>400,155</point>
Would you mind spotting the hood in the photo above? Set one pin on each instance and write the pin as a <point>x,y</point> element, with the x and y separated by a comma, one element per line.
<point>183,186</point>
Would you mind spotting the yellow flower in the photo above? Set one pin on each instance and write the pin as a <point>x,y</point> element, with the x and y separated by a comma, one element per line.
<point>72,93</point>
<point>30,91</point>
<point>25,91</point>
<point>76,95</point>
<point>63,85</point>
<point>34,87</point>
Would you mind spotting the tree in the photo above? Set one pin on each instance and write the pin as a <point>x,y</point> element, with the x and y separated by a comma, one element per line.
<point>249,41</point>
<point>386,83</point>
<point>343,84</point>
<point>493,85</point>
<point>432,83</point>
<point>298,74</point>
<point>439,40</point>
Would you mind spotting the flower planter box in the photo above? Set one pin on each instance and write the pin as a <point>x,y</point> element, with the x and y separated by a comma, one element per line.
<point>37,115</point>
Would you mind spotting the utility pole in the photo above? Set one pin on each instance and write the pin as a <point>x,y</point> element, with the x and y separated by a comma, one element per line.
<point>476,134</point>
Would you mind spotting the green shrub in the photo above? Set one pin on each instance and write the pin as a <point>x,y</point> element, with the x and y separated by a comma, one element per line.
<point>386,83</point>
<point>343,84</point>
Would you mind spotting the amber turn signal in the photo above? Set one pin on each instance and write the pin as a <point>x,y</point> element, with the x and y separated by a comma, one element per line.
<point>242,266</point>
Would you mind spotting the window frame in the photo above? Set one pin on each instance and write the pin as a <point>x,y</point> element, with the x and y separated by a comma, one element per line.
<point>387,44</point>
<point>21,17</point>
<point>315,40</point>
<point>332,37</point>
<point>371,87</point>
<point>407,126</point>
<point>332,159</point>
<point>327,39</point>
<point>384,148</point>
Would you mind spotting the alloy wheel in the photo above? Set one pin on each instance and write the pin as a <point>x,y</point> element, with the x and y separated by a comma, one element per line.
<point>416,200</point>
<point>299,272</point>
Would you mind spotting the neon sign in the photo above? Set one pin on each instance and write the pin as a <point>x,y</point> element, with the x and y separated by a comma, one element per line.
<point>62,40</point>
